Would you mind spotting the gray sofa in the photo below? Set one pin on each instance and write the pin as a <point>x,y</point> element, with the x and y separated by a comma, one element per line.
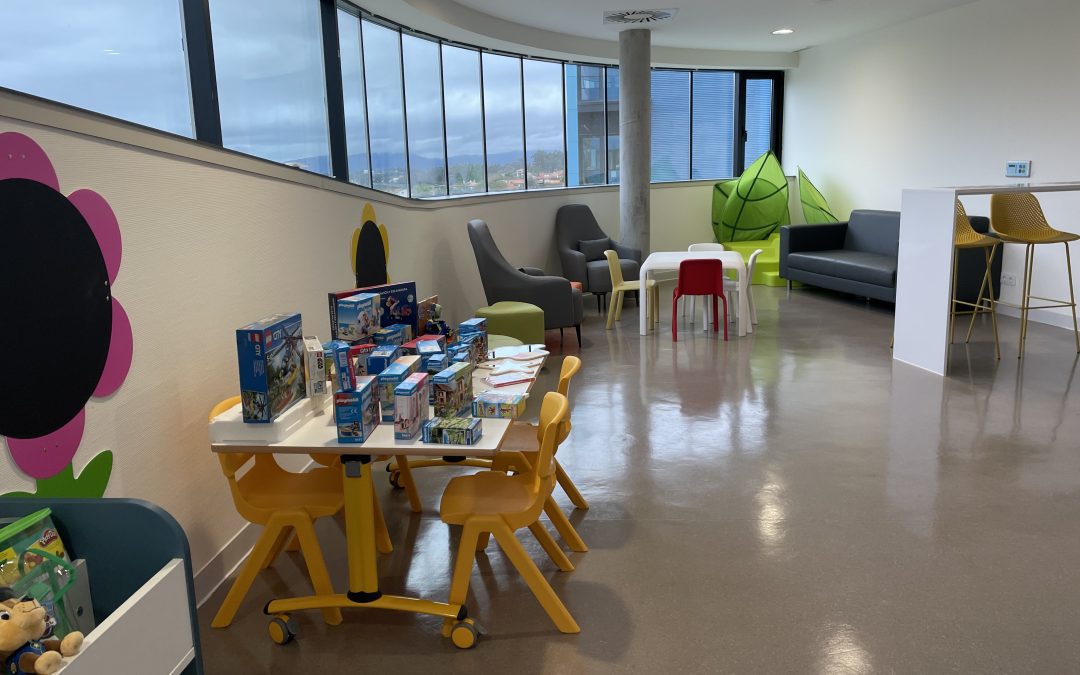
<point>859,256</point>
<point>574,224</point>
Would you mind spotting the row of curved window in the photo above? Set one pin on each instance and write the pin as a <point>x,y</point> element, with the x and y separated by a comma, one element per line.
<point>323,86</point>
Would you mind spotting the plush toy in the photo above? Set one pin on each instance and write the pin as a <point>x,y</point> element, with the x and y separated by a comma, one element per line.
<point>22,624</point>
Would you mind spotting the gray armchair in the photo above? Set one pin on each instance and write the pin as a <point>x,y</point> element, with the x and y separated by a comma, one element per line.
<point>560,301</point>
<point>574,223</point>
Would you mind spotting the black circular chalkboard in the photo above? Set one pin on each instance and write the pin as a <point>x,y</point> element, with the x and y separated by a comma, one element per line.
<point>55,305</point>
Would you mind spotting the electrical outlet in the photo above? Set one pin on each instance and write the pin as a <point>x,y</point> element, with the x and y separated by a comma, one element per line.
<point>1018,169</point>
<point>1008,279</point>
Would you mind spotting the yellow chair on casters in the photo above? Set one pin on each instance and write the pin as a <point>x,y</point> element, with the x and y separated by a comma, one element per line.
<point>492,502</point>
<point>283,503</point>
<point>619,288</point>
<point>966,237</point>
<point>1018,219</point>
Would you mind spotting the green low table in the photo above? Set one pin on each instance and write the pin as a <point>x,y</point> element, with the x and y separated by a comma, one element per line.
<point>518,320</point>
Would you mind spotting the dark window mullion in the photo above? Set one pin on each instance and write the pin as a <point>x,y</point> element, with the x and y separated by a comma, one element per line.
<point>442,102</point>
<point>404,113</point>
<point>524,134</point>
<point>367,117</point>
<point>483,117</point>
<point>202,76</point>
<point>335,96</point>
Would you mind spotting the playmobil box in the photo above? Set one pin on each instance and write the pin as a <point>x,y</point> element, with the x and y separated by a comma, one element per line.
<point>475,326</point>
<point>453,389</point>
<point>381,357</point>
<point>425,349</point>
<point>344,377</point>
<point>434,364</point>
<point>498,405</point>
<point>271,357</point>
<point>314,367</point>
<point>357,316</point>
<point>452,430</point>
<point>394,334</point>
<point>410,406</point>
<point>398,304</point>
<point>390,377</point>
<point>358,355</point>
<point>356,413</point>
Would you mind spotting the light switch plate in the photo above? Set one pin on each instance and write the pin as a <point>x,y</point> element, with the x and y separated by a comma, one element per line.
<point>1018,169</point>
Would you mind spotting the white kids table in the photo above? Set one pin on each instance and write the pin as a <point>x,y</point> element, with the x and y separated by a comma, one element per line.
<point>669,260</point>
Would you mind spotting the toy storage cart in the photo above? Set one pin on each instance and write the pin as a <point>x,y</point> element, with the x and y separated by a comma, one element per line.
<point>140,579</point>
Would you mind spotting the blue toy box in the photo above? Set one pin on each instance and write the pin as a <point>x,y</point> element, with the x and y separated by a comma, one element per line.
<point>271,357</point>
<point>433,365</point>
<point>356,413</point>
<point>398,304</point>
<point>357,316</point>
<point>381,357</point>
<point>425,349</point>
<point>344,376</point>
<point>410,406</point>
<point>394,334</point>
<point>453,389</point>
<point>391,376</point>
<point>358,355</point>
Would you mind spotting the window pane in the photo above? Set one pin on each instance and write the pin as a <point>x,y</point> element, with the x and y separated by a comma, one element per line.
<point>352,86</point>
<point>423,107</point>
<point>272,106</point>
<point>386,112</point>
<point>758,119</point>
<point>502,120</point>
<point>115,57</point>
<point>670,125</point>
<point>464,120</point>
<point>585,131</point>
<point>714,124</point>
<point>544,123</point>
<point>613,125</point>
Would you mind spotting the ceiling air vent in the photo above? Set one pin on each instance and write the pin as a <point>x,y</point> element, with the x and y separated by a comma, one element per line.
<point>647,17</point>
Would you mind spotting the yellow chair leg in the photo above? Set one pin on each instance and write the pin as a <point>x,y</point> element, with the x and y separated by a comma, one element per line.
<point>382,535</point>
<point>284,537</point>
<point>618,306</point>
<point>316,566</point>
<point>227,612</point>
<point>1025,294</point>
<point>569,488</point>
<point>407,481</point>
<point>551,547</point>
<point>564,527</point>
<point>615,295</point>
<point>482,541</point>
<point>1072,297</point>
<point>294,545</point>
<point>463,564</point>
<point>539,586</point>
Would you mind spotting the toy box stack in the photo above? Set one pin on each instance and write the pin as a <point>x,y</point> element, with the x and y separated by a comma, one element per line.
<point>314,367</point>
<point>453,389</point>
<point>391,376</point>
<point>271,357</point>
<point>435,364</point>
<point>381,357</point>
<point>394,334</point>
<point>410,406</point>
<point>452,430</point>
<point>357,316</point>
<point>356,413</point>
<point>476,327</point>
<point>498,405</point>
<point>396,304</point>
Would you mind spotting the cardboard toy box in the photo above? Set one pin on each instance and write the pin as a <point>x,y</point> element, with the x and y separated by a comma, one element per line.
<point>433,365</point>
<point>358,355</point>
<point>410,406</point>
<point>381,357</point>
<point>344,377</point>
<point>453,389</point>
<point>271,358</point>
<point>394,334</point>
<point>425,349</point>
<point>391,376</point>
<point>476,326</point>
<point>452,430</point>
<point>314,367</point>
<point>357,316</point>
<point>498,405</point>
<point>397,304</point>
<point>356,413</point>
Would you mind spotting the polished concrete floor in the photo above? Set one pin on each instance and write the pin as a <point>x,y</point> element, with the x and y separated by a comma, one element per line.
<point>788,502</point>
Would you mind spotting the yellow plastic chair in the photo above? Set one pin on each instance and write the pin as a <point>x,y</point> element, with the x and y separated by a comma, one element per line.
<point>966,237</point>
<point>496,503</point>
<point>284,503</point>
<point>619,288</point>
<point>1018,219</point>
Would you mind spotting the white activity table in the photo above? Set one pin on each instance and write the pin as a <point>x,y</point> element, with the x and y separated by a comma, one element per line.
<point>669,260</point>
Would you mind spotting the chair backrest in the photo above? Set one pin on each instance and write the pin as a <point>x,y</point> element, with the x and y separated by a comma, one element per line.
<point>614,267</point>
<point>750,265</point>
<point>494,269</point>
<point>701,277</point>
<point>1018,215</point>
<point>965,233</point>
<point>574,223</point>
<point>261,473</point>
<point>706,246</point>
<point>554,412</point>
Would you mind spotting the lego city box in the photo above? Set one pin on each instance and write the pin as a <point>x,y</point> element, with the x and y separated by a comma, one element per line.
<point>452,430</point>
<point>410,406</point>
<point>356,413</point>
<point>453,389</point>
<point>358,355</point>
<point>498,405</point>
<point>270,353</point>
<point>357,316</point>
<point>391,376</point>
<point>381,357</point>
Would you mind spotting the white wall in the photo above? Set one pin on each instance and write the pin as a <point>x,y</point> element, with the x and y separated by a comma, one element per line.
<point>941,101</point>
<point>208,248</point>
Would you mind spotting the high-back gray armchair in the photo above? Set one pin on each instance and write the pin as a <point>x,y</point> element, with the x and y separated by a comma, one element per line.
<point>502,282</point>
<point>579,240</point>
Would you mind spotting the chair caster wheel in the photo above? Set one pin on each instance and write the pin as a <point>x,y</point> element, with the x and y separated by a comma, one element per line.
<point>395,480</point>
<point>282,629</point>
<point>464,634</point>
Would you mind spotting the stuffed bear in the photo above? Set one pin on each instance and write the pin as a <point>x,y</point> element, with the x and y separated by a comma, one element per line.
<point>22,624</point>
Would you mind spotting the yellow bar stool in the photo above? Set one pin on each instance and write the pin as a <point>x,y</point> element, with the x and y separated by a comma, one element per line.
<point>619,288</point>
<point>967,238</point>
<point>1018,219</point>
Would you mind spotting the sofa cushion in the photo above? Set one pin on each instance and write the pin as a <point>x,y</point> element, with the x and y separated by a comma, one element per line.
<point>873,232</point>
<point>869,268</point>
<point>593,249</point>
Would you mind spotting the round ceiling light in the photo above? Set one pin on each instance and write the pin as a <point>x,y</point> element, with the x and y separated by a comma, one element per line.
<point>783,31</point>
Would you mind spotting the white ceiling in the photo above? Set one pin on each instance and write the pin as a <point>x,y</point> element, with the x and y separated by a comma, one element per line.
<point>719,24</point>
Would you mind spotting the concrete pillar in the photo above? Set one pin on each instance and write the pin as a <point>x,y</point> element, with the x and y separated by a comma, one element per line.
<point>635,138</point>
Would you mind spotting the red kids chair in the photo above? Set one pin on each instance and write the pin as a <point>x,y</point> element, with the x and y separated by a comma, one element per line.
<point>699,277</point>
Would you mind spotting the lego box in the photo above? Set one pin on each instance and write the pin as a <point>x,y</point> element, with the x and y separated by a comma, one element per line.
<point>453,389</point>
<point>356,413</point>
<point>452,430</point>
<point>381,357</point>
<point>358,358</point>
<point>410,406</point>
<point>391,376</point>
<point>498,405</point>
<point>315,367</point>
<point>271,358</point>
<point>357,316</point>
